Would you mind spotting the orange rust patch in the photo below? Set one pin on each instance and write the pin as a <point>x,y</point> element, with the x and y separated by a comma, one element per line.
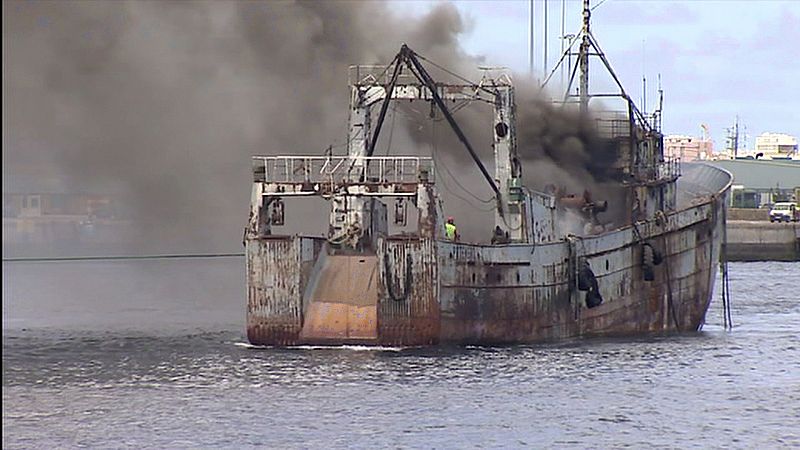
<point>337,321</point>
<point>343,305</point>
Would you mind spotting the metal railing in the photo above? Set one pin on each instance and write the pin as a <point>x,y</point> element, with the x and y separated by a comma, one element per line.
<point>368,75</point>
<point>365,74</point>
<point>336,169</point>
<point>610,126</point>
<point>668,169</point>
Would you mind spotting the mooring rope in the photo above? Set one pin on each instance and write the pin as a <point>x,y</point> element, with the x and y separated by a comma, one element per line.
<point>727,318</point>
<point>124,257</point>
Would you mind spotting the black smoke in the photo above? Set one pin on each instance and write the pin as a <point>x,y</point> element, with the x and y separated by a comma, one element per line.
<point>163,103</point>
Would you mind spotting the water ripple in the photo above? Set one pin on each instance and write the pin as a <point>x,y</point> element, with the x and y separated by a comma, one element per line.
<point>204,387</point>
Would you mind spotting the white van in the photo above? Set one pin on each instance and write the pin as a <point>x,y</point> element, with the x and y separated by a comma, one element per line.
<point>784,212</point>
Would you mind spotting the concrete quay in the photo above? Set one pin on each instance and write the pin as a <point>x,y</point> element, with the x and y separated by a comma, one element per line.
<point>760,240</point>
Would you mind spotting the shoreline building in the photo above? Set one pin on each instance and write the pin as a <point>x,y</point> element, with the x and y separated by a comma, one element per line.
<point>43,215</point>
<point>687,148</point>
<point>776,146</point>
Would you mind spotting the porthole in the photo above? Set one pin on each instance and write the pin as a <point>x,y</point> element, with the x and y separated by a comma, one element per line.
<point>501,129</point>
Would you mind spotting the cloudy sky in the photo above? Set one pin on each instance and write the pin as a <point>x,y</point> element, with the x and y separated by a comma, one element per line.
<point>717,59</point>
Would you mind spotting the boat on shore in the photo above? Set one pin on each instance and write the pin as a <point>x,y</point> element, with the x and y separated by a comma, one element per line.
<point>536,280</point>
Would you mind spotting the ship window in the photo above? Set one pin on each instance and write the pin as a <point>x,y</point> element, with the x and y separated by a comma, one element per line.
<point>473,277</point>
<point>517,277</point>
<point>606,264</point>
<point>501,129</point>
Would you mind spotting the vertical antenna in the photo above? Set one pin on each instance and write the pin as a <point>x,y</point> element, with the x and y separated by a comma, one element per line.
<point>736,137</point>
<point>746,137</point>
<point>660,103</point>
<point>644,83</point>
<point>544,66</point>
<point>732,141</point>
<point>563,30</point>
<point>530,43</point>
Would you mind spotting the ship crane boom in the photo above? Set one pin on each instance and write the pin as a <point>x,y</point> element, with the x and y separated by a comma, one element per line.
<point>407,57</point>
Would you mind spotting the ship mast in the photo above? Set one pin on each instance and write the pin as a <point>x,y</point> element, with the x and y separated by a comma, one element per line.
<point>589,47</point>
<point>583,60</point>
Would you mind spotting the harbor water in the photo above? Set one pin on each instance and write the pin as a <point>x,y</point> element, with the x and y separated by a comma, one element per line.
<point>152,354</point>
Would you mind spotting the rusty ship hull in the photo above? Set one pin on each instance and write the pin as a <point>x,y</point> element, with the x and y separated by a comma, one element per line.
<point>432,291</point>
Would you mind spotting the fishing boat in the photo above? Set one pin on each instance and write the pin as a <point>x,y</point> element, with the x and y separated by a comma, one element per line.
<point>534,280</point>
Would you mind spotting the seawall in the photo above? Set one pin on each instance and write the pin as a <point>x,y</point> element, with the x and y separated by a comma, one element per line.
<point>759,240</point>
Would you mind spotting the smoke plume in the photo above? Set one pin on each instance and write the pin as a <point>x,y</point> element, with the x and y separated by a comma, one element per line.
<point>163,104</point>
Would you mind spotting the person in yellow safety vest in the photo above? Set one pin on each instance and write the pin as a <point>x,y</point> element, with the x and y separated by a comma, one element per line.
<point>450,231</point>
